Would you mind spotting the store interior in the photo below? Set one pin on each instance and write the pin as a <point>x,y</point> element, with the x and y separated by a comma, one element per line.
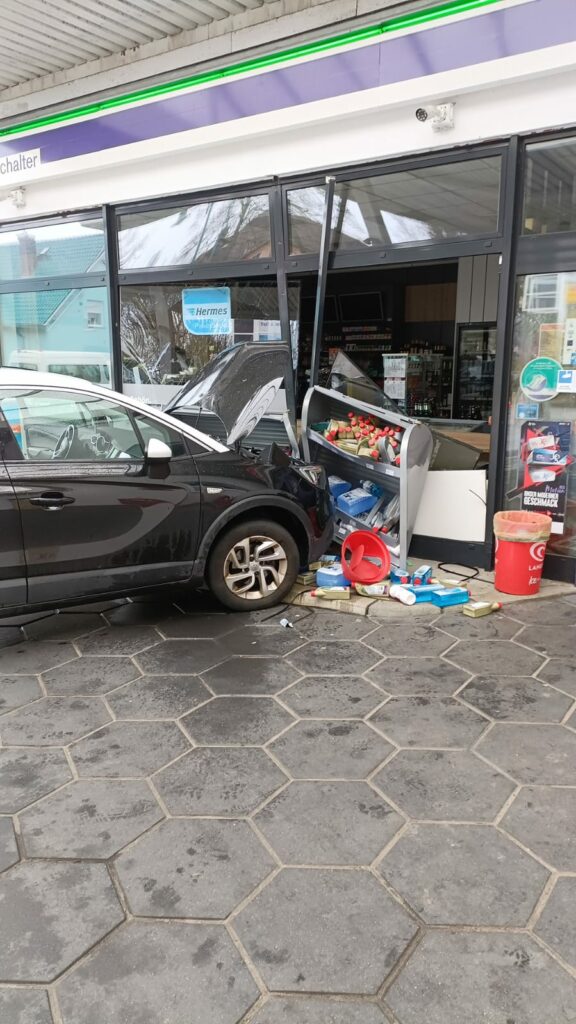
<point>424,333</point>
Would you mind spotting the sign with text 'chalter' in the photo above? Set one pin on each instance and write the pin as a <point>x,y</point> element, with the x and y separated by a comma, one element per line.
<point>206,311</point>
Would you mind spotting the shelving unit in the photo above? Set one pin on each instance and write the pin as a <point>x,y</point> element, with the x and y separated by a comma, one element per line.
<point>406,481</point>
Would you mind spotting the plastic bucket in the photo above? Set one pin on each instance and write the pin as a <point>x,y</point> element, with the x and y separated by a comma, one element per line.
<point>520,549</point>
<point>365,558</point>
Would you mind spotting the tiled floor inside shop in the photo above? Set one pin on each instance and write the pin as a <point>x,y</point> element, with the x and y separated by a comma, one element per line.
<point>215,819</point>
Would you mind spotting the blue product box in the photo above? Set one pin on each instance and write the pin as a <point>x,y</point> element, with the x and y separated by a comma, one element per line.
<point>450,596</point>
<point>331,576</point>
<point>356,501</point>
<point>400,576</point>
<point>422,576</point>
<point>424,592</point>
<point>338,486</point>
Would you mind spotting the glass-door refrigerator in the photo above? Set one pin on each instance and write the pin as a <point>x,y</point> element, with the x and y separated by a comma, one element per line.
<point>474,371</point>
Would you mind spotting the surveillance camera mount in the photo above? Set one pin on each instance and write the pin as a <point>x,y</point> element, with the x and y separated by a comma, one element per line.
<point>441,116</point>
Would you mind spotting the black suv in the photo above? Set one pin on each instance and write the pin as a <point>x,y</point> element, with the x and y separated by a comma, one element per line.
<point>102,496</point>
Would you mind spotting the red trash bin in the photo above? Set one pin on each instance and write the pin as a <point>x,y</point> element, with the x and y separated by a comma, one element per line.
<point>521,539</point>
<point>365,557</point>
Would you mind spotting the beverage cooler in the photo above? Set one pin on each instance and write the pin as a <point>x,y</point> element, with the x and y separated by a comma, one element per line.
<point>474,372</point>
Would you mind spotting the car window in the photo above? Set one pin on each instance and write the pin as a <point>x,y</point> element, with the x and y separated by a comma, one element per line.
<point>69,425</point>
<point>150,427</point>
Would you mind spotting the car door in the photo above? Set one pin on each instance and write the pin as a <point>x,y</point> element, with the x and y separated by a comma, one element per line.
<point>97,515</point>
<point>12,562</point>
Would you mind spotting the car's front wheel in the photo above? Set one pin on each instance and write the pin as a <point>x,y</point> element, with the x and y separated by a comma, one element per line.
<point>253,565</point>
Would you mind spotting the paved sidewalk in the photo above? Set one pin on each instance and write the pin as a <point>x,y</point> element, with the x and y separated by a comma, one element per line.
<point>212,819</point>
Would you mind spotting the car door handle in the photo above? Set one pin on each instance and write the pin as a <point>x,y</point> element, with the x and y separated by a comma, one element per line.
<point>51,501</point>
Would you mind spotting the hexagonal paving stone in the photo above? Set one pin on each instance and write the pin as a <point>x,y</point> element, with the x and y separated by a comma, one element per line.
<point>516,699</point>
<point>219,781</point>
<point>544,820</point>
<point>199,869</point>
<point>53,721</point>
<point>244,720</point>
<point>197,627</point>
<point>557,924</point>
<point>544,612</point>
<point>545,754</point>
<point>325,625</point>
<point>335,657</point>
<point>464,874</point>
<point>328,823</point>
<point>8,848</point>
<point>414,639</point>
<point>52,913</point>
<point>502,657</point>
<point>560,672</point>
<point>181,657</point>
<point>251,676</point>
<point>35,656</point>
<point>90,675</point>
<point>451,785</point>
<point>159,697</point>
<point>333,697</point>
<point>114,641</point>
<point>24,1006</point>
<point>317,931</point>
<point>468,978</point>
<point>493,627</point>
<point>318,1011</point>
<point>28,775</point>
<point>261,640</point>
<point>89,819</point>
<point>16,691</point>
<point>160,971</point>
<point>428,722</point>
<point>128,749</point>
<point>431,677</point>
<point>553,641</point>
<point>331,750</point>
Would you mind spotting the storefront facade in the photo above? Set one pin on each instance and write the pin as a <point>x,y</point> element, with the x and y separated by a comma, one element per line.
<point>450,264</point>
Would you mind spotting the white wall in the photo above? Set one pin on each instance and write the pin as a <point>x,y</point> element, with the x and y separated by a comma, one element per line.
<point>493,100</point>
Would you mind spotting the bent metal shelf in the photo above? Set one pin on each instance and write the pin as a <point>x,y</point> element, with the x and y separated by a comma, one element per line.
<point>406,480</point>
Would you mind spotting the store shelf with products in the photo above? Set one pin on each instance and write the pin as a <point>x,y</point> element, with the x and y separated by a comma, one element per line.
<point>420,382</point>
<point>405,482</point>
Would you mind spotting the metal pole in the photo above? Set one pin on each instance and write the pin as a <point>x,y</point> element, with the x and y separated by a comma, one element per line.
<point>322,274</point>
<point>283,306</point>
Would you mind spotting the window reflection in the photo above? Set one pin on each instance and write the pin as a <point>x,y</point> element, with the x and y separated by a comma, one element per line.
<point>53,250</point>
<point>216,232</point>
<point>61,331</point>
<point>550,188</point>
<point>424,205</point>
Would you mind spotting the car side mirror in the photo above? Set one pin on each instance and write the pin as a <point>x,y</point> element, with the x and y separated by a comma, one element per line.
<point>157,451</point>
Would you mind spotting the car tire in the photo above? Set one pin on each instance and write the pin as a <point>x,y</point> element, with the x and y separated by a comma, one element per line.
<point>253,565</point>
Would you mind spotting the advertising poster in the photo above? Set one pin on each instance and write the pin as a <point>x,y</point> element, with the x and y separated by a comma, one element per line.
<point>569,348</point>
<point>544,461</point>
<point>206,311</point>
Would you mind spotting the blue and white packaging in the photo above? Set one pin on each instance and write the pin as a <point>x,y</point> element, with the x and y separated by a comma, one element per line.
<point>338,486</point>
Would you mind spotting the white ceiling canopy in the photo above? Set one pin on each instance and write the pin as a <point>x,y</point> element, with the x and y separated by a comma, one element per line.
<point>42,37</point>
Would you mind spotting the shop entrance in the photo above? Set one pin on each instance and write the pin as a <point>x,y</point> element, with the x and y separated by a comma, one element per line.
<point>425,333</point>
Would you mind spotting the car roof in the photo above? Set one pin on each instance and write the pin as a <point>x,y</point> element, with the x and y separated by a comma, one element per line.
<point>16,378</point>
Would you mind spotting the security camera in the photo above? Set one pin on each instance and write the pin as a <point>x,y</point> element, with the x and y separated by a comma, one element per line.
<point>441,116</point>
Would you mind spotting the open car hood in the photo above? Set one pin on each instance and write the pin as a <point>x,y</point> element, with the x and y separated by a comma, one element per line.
<point>238,385</point>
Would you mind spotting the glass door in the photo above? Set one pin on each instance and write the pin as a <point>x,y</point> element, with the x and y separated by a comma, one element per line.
<point>540,472</point>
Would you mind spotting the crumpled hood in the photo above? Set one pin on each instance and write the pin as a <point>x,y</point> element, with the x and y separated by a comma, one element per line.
<point>238,385</point>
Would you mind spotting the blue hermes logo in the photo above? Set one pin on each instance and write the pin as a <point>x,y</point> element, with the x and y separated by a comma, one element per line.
<point>206,311</point>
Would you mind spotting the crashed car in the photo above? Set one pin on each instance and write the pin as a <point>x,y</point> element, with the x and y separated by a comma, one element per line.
<point>102,496</point>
